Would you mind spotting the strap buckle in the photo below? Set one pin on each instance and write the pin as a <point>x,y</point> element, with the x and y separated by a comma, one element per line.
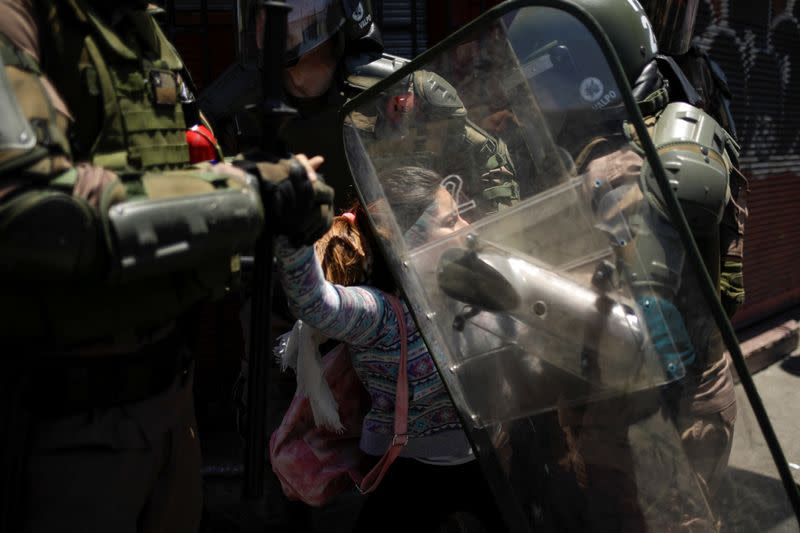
<point>400,439</point>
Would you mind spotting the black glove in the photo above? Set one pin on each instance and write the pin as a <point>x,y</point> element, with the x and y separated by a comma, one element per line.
<point>294,205</point>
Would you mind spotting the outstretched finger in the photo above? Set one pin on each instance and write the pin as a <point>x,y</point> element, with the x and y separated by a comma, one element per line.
<point>310,165</point>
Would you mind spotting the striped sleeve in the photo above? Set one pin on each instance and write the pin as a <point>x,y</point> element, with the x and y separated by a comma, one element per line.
<point>359,316</point>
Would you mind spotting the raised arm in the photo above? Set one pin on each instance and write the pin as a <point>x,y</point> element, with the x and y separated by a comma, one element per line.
<point>359,316</point>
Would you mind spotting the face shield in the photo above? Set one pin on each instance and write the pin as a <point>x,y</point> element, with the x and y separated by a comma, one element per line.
<point>551,322</point>
<point>673,23</point>
<point>564,71</point>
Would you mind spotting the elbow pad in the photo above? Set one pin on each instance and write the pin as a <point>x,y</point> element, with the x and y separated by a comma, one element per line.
<point>668,334</point>
<point>653,259</point>
<point>692,147</point>
<point>171,233</point>
<point>46,234</point>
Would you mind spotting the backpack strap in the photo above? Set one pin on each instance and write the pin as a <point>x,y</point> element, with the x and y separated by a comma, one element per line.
<point>373,478</point>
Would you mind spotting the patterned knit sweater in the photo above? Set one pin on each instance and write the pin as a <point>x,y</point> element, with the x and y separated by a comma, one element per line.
<point>364,319</point>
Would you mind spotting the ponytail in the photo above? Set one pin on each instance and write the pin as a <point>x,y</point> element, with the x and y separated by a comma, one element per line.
<point>349,255</point>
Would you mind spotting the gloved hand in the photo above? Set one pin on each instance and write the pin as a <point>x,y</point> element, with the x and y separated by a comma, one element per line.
<point>297,202</point>
<point>500,189</point>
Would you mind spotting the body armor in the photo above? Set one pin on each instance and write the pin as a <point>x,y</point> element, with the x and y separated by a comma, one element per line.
<point>695,79</point>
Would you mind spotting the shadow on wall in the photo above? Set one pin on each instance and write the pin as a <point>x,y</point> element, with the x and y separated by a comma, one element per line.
<point>758,46</point>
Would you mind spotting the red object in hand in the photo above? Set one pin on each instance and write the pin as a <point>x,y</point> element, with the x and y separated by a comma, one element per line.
<point>399,106</point>
<point>202,144</point>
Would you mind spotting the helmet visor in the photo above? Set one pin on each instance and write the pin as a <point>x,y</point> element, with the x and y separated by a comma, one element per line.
<point>311,23</point>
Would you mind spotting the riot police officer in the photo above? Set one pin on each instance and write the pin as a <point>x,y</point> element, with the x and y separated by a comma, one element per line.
<point>109,237</point>
<point>673,24</point>
<point>701,155</point>
<point>698,80</point>
<point>335,51</point>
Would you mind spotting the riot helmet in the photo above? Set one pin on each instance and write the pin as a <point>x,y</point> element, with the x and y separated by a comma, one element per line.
<point>624,22</point>
<point>673,23</point>
<point>311,23</point>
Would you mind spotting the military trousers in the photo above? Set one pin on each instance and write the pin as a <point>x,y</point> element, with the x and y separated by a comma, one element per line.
<point>126,469</point>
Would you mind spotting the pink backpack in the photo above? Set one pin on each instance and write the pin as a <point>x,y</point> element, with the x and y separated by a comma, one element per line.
<point>314,464</point>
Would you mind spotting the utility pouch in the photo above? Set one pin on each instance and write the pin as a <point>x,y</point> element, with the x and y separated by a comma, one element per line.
<point>165,87</point>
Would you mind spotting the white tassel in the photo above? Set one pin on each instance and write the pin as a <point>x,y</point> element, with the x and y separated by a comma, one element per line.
<point>301,352</point>
<point>286,347</point>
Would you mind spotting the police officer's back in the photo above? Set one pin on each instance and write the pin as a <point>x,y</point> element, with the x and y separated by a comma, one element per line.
<point>109,237</point>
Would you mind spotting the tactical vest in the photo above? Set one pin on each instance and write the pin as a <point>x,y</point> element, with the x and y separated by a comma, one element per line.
<point>124,85</point>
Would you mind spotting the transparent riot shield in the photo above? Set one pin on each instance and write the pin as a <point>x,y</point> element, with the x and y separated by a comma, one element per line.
<point>569,325</point>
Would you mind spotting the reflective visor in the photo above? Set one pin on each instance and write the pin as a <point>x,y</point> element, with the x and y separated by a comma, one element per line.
<point>311,23</point>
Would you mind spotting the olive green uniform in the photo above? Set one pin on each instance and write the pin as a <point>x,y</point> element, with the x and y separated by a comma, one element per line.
<point>596,452</point>
<point>96,391</point>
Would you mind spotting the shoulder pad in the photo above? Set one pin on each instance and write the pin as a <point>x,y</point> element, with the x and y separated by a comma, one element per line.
<point>684,123</point>
<point>16,133</point>
<point>692,147</point>
<point>365,70</point>
<point>367,65</point>
<point>437,92</point>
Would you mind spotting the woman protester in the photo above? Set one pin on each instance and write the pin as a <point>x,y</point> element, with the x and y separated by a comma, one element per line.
<point>436,474</point>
